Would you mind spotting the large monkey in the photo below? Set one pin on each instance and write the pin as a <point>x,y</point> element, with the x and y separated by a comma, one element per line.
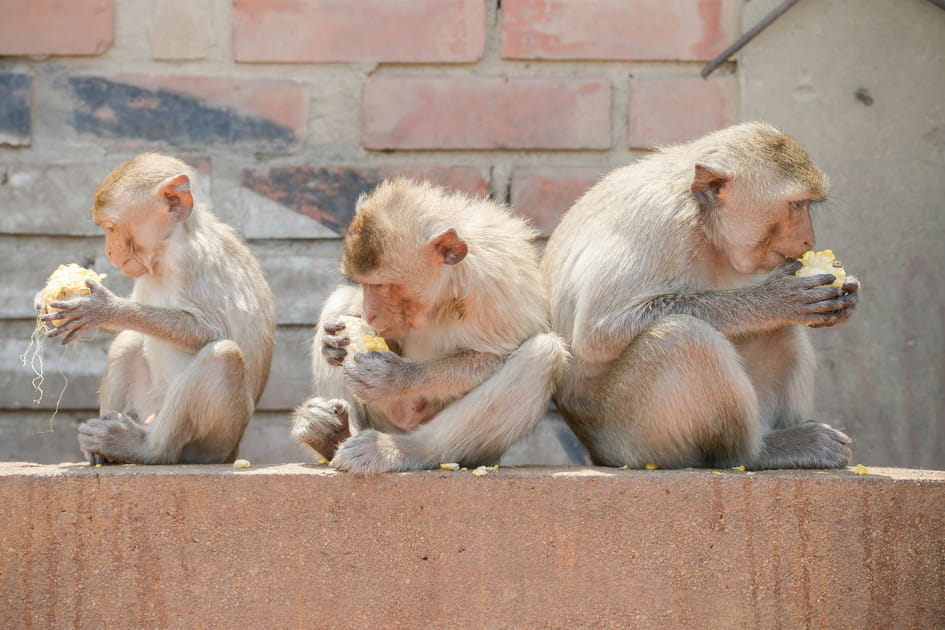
<point>453,284</point>
<point>672,279</point>
<point>195,339</point>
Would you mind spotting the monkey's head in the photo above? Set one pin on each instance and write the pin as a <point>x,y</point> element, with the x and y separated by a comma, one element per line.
<point>139,206</point>
<point>756,185</point>
<point>400,248</point>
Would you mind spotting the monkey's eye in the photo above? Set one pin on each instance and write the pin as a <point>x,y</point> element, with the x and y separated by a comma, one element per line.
<point>799,204</point>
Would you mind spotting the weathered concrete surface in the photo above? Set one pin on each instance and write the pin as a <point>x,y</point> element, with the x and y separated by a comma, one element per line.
<point>298,546</point>
<point>840,77</point>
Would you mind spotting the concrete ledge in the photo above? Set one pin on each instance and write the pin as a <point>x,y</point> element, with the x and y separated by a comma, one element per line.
<point>303,546</point>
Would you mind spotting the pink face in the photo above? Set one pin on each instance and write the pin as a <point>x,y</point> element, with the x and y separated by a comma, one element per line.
<point>790,234</point>
<point>134,238</point>
<point>392,310</point>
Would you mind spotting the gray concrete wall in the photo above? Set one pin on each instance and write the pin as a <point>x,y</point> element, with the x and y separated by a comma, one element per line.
<point>862,86</point>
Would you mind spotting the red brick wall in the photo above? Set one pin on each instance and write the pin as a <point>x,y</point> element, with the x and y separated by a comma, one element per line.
<point>293,108</point>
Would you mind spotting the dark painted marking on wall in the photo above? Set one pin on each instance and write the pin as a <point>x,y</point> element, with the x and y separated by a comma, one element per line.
<point>15,109</point>
<point>109,109</point>
<point>327,195</point>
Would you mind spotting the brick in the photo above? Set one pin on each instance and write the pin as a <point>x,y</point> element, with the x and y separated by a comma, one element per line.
<point>678,109</point>
<point>188,111</point>
<point>328,194</point>
<point>182,29</point>
<point>486,113</point>
<point>59,196</point>
<point>628,30</point>
<point>544,193</point>
<point>407,31</point>
<point>56,27</point>
<point>15,101</point>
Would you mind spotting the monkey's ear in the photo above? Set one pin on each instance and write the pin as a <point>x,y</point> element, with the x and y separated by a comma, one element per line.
<point>449,248</point>
<point>709,186</point>
<point>175,192</point>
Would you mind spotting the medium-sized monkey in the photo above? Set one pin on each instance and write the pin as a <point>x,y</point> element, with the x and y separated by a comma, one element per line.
<point>195,338</point>
<point>673,280</point>
<point>453,284</point>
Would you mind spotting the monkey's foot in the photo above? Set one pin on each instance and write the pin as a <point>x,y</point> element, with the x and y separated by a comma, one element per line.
<point>370,453</point>
<point>321,424</point>
<point>110,439</point>
<point>807,445</point>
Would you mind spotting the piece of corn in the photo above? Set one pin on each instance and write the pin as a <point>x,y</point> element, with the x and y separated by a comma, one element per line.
<point>65,283</point>
<point>480,471</point>
<point>816,263</point>
<point>449,466</point>
<point>651,467</point>
<point>739,468</point>
<point>241,463</point>
<point>861,470</point>
<point>363,337</point>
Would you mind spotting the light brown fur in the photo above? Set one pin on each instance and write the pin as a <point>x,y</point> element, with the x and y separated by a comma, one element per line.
<point>453,284</point>
<point>672,280</point>
<point>195,338</point>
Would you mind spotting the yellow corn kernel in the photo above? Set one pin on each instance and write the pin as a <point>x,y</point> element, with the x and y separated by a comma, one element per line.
<point>861,470</point>
<point>449,466</point>
<point>816,263</point>
<point>241,463</point>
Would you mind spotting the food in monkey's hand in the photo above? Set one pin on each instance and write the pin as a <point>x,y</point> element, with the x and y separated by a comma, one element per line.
<point>816,263</point>
<point>363,337</point>
<point>65,283</point>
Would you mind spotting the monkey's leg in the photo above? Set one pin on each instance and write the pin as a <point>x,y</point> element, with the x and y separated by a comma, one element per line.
<point>201,419</point>
<point>125,385</point>
<point>475,429</point>
<point>676,397</point>
<point>781,366</point>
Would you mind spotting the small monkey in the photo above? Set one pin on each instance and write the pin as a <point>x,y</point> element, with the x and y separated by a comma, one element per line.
<point>673,281</point>
<point>453,284</point>
<point>194,342</point>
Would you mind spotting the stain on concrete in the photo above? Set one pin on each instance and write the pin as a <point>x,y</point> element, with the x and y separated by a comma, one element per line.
<point>114,110</point>
<point>327,195</point>
<point>15,109</point>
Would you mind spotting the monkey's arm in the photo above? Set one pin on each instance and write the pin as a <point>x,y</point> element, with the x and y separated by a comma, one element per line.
<point>103,309</point>
<point>381,375</point>
<point>781,300</point>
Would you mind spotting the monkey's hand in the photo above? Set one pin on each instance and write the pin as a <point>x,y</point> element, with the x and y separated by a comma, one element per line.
<point>321,424</point>
<point>850,291</point>
<point>113,438</point>
<point>379,375</point>
<point>334,342</point>
<point>810,300</point>
<point>100,308</point>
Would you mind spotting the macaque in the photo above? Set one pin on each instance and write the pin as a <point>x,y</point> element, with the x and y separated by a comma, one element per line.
<point>673,281</point>
<point>194,340</point>
<point>453,285</point>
